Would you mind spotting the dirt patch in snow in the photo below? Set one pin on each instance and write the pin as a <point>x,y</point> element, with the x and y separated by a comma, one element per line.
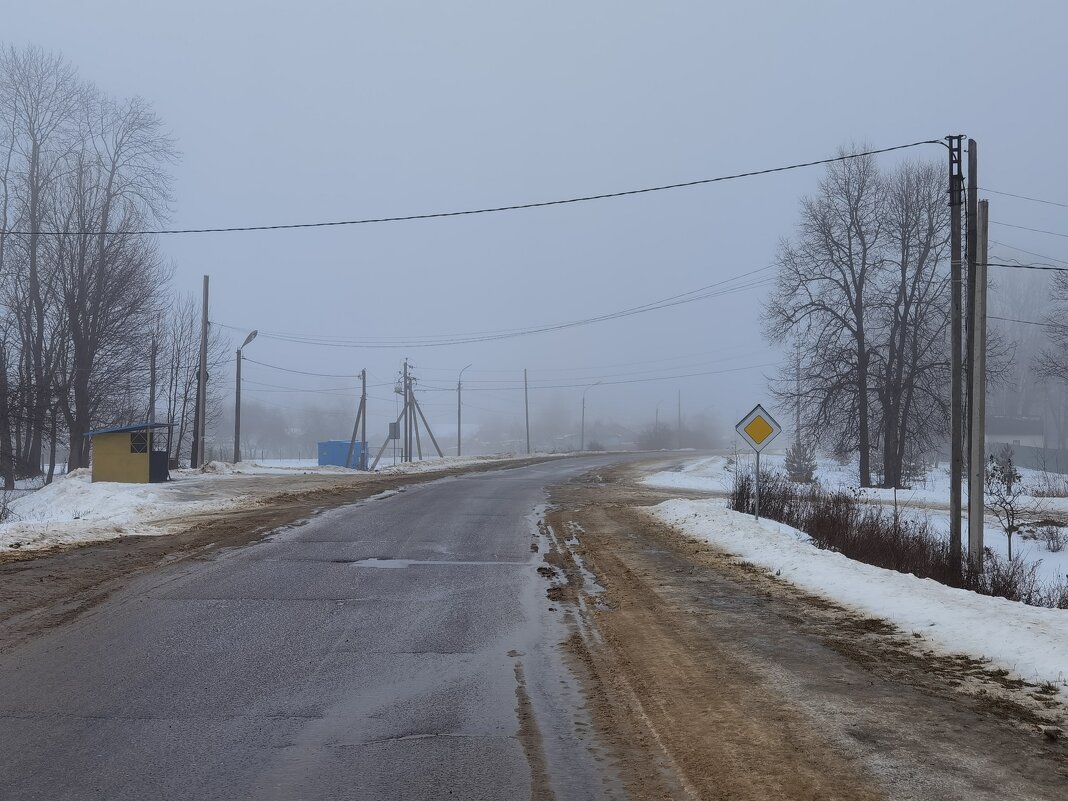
<point>711,678</point>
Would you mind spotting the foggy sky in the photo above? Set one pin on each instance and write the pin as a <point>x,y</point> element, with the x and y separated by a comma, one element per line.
<point>294,112</point>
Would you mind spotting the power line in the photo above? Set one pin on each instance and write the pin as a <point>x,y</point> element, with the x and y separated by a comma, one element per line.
<point>608,383</point>
<point>1048,267</point>
<point>712,290</point>
<point>298,372</point>
<point>488,210</point>
<point>1025,322</point>
<point>1032,230</point>
<point>1028,252</point>
<point>1026,197</point>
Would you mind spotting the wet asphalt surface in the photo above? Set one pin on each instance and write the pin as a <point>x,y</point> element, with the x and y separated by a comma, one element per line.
<point>382,650</point>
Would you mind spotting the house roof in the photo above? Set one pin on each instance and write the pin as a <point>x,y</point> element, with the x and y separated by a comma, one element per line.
<point>124,429</point>
<point>1014,425</point>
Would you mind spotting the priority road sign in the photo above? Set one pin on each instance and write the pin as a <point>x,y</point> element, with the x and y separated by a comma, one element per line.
<point>758,428</point>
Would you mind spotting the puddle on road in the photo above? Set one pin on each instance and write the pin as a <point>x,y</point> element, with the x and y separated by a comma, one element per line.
<point>392,564</point>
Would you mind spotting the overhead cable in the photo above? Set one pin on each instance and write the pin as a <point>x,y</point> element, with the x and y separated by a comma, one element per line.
<point>487,210</point>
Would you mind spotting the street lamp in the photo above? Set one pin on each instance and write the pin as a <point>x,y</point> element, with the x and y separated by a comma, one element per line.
<point>237,400</point>
<point>458,389</point>
<point>582,436</point>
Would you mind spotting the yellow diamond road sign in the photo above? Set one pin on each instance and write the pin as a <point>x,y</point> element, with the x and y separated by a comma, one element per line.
<point>758,428</point>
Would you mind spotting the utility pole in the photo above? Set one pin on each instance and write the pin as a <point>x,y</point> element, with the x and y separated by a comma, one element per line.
<point>977,465</point>
<point>678,429</point>
<point>406,445</point>
<point>237,410</point>
<point>956,456</point>
<point>459,388</point>
<point>797,405</point>
<point>363,420</point>
<point>237,401</point>
<point>526,406</point>
<point>360,424</point>
<point>202,382</point>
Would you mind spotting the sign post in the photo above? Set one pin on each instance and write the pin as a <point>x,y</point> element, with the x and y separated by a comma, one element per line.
<point>758,428</point>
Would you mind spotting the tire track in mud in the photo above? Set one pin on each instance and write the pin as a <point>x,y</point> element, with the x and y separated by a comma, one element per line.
<point>710,679</point>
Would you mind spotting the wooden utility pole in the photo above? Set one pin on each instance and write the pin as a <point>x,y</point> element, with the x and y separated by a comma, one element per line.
<point>956,457</point>
<point>971,244</point>
<point>202,383</point>
<point>526,406</point>
<point>977,464</point>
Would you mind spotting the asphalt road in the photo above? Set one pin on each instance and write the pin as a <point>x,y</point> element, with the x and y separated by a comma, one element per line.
<point>399,648</point>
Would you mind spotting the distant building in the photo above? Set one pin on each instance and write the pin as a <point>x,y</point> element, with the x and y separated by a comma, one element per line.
<point>1028,431</point>
<point>128,454</point>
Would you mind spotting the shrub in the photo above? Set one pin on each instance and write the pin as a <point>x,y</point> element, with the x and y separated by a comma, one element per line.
<point>1053,537</point>
<point>843,522</point>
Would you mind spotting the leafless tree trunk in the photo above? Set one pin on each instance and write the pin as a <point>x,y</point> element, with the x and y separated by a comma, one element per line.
<point>912,313</point>
<point>822,298</point>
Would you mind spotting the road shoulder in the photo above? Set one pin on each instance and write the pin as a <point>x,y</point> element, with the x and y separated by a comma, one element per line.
<point>738,685</point>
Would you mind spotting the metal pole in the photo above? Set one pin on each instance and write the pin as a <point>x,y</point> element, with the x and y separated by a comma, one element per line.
<point>526,406</point>
<point>202,380</point>
<point>237,411</point>
<point>956,458</point>
<point>977,471</point>
<point>756,493</point>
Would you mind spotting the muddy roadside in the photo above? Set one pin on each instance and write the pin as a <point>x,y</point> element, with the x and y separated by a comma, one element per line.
<point>45,588</point>
<point>711,678</point>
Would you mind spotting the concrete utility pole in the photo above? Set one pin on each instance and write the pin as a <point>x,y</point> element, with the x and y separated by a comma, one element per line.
<point>678,429</point>
<point>797,406</point>
<point>459,389</point>
<point>202,383</point>
<point>358,426</point>
<point>526,406</point>
<point>237,400</point>
<point>363,420</point>
<point>956,457</point>
<point>406,445</point>
<point>582,435</point>
<point>977,465</point>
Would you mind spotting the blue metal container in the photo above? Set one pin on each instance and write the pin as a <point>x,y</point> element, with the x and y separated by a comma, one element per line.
<point>334,452</point>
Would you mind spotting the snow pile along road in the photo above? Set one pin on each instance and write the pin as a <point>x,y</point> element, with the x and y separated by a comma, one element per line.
<point>73,509</point>
<point>1031,642</point>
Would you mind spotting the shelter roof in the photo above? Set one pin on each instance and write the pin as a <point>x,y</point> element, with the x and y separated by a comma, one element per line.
<point>131,427</point>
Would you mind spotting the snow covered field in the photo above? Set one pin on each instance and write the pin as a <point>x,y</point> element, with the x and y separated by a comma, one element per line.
<point>928,499</point>
<point>1030,641</point>
<point>73,509</point>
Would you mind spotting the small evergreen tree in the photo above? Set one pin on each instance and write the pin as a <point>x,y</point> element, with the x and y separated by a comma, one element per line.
<point>801,463</point>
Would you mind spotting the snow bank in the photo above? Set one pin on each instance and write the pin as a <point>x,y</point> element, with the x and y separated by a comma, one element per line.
<point>73,509</point>
<point>1030,641</point>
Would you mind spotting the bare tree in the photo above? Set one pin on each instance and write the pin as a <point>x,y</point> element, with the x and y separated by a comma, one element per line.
<point>44,96</point>
<point>822,299</point>
<point>1006,497</point>
<point>911,319</point>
